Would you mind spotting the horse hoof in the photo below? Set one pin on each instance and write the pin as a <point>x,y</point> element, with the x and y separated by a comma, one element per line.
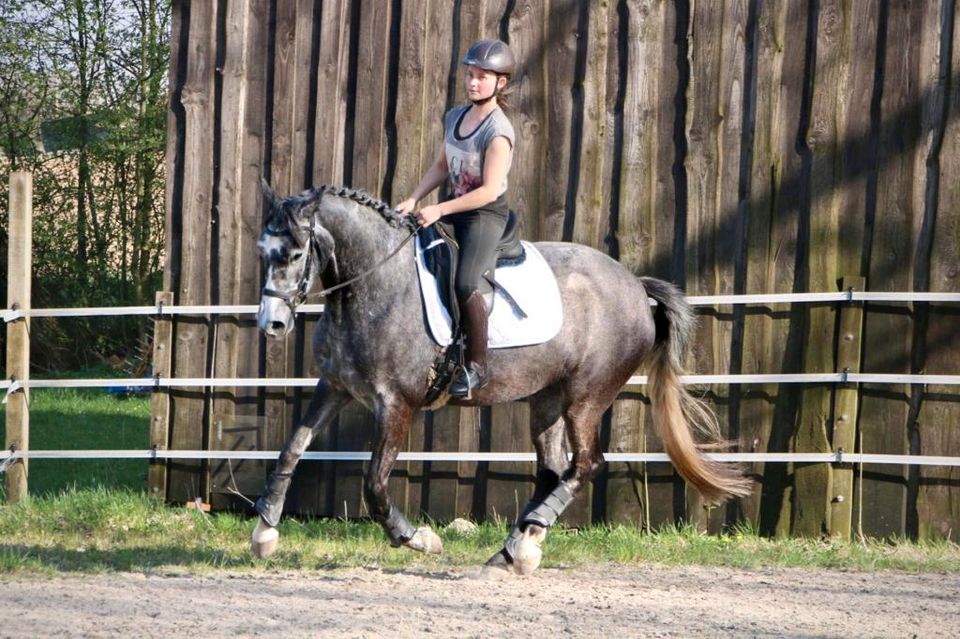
<point>425,540</point>
<point>527,555</point>
<point>264,540</point>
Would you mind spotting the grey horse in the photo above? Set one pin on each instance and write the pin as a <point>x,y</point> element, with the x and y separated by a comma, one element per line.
<point>371,344</point>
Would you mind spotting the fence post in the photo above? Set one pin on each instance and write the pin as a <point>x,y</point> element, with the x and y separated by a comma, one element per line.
<point>160,398</point>
<point>19,248</point>
<point>845,408</point>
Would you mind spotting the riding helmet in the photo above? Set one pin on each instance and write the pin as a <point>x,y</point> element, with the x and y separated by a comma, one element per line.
<point>491,55</point>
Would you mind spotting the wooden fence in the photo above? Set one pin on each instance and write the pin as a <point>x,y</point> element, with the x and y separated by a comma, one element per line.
<point>730,147</point>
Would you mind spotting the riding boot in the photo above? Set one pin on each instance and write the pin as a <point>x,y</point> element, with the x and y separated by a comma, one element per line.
<point>474,374</point>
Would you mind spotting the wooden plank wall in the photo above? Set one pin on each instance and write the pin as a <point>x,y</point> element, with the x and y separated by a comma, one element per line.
<point>735,147</point>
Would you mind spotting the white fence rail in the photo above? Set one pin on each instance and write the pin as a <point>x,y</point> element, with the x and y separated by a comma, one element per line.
<point>155,383</point>
<point>838,457</point>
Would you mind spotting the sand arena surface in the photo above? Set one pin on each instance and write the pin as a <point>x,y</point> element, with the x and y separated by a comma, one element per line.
<point>598,600</point>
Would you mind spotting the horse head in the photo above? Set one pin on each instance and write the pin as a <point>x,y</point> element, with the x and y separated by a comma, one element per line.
<point>294,250</point>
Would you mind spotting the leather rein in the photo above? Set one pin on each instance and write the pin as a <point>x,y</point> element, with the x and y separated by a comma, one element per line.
<point>297,296</point>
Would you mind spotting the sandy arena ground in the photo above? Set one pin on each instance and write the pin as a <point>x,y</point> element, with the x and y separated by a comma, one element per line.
<point>602,601</point>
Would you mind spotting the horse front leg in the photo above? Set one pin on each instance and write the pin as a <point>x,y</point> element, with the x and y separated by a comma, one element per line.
<point>324,407</point>
<point>393,424</point>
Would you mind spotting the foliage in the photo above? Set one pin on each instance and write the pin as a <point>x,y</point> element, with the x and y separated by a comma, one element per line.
<point>82,106</point>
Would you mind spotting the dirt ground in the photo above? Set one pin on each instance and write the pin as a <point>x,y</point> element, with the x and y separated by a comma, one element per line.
<point>607,601</point>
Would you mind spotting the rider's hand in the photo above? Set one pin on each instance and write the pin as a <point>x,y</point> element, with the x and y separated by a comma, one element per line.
<point>428,215</point>
<point>406,207</point>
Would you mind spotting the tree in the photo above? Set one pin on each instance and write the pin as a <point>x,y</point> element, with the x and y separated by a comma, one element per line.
<point>85,81</point>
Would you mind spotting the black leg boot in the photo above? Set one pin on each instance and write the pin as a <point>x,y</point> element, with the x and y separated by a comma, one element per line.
<point>473,314</point>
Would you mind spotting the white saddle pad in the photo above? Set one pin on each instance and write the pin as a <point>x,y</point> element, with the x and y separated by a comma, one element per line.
<point>533,288</point>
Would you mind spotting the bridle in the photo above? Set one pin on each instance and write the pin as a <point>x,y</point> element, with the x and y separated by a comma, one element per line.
<point>297,296</point>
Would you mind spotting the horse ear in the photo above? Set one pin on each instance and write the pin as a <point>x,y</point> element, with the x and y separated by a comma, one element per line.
<point>268,193</point>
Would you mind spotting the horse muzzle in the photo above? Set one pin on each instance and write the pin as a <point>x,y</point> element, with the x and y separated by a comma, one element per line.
<point>274,317</point>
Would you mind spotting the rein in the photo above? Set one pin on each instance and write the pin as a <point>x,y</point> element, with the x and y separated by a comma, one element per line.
<point>299,295</point>
<point>367,272</point>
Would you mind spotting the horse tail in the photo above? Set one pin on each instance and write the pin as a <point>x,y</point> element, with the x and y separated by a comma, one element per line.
<point>677,415</point>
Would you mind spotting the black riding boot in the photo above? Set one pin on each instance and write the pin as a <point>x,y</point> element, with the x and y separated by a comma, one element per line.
<point>473,314</point>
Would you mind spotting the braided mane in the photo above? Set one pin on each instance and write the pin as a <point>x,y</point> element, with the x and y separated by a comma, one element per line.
<point>363,198</point>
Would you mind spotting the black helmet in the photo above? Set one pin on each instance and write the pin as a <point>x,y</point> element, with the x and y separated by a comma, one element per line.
<point>492,55</point>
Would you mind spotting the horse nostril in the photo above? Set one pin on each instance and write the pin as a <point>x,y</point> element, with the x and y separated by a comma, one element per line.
<point>277,326</point>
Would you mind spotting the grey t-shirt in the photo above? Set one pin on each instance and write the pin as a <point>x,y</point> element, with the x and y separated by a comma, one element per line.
<point>465,153</point>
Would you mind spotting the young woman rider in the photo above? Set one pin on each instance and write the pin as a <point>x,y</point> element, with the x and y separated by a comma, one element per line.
<point>474,160</point>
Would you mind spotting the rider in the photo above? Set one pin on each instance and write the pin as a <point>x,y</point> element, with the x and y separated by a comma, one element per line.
<point>475,157</point>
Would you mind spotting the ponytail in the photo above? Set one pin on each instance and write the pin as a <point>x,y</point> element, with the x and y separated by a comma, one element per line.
<point>504,97</point>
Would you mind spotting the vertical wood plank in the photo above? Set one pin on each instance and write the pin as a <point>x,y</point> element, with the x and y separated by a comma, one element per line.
<point>628,485</point>
<point>226,431</point>
<point>714,124</point>
<point>252,148</point>
<point>646,56</point>
<point>937,507</point>
<point>559,64</point>
<point>174,154</point>
<point>855,173</point>
<point>332,75</point>
<point>160,397</point>
<point>526,31</point>
<point>422,87</point>
<point>670,220</point>
<point>193,213</point>
<point>19,267</point>
<point>849,344</point>
<point>355,432</point>
<point>773,340</point>
<point>510,484</point>
<point>812,482</point>
<point>887,333</point>
<point>370,151</point>
<point>469,490</point>
<point>756,401</point>
<point>592,201</point>
<point>424,67</point>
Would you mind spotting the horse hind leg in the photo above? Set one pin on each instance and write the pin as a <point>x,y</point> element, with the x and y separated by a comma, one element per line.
<point>521,551</point>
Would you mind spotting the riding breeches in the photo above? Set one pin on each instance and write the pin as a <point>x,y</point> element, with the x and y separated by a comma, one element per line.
<point>478,233</point>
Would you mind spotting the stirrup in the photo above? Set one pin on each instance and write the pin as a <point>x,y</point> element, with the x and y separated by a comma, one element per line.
<point>466,381</point>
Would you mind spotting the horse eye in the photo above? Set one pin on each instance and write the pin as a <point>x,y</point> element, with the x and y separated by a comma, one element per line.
<point>296,255</point>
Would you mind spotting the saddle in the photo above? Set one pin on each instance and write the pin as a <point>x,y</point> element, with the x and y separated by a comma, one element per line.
<point>441,260</point>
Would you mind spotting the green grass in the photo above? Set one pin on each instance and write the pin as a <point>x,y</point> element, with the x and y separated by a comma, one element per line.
<point>98,530</point>
<point>93,515</point>
<point>85,419</point>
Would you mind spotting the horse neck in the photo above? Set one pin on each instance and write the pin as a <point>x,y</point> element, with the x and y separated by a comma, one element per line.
<point>363,238</point>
